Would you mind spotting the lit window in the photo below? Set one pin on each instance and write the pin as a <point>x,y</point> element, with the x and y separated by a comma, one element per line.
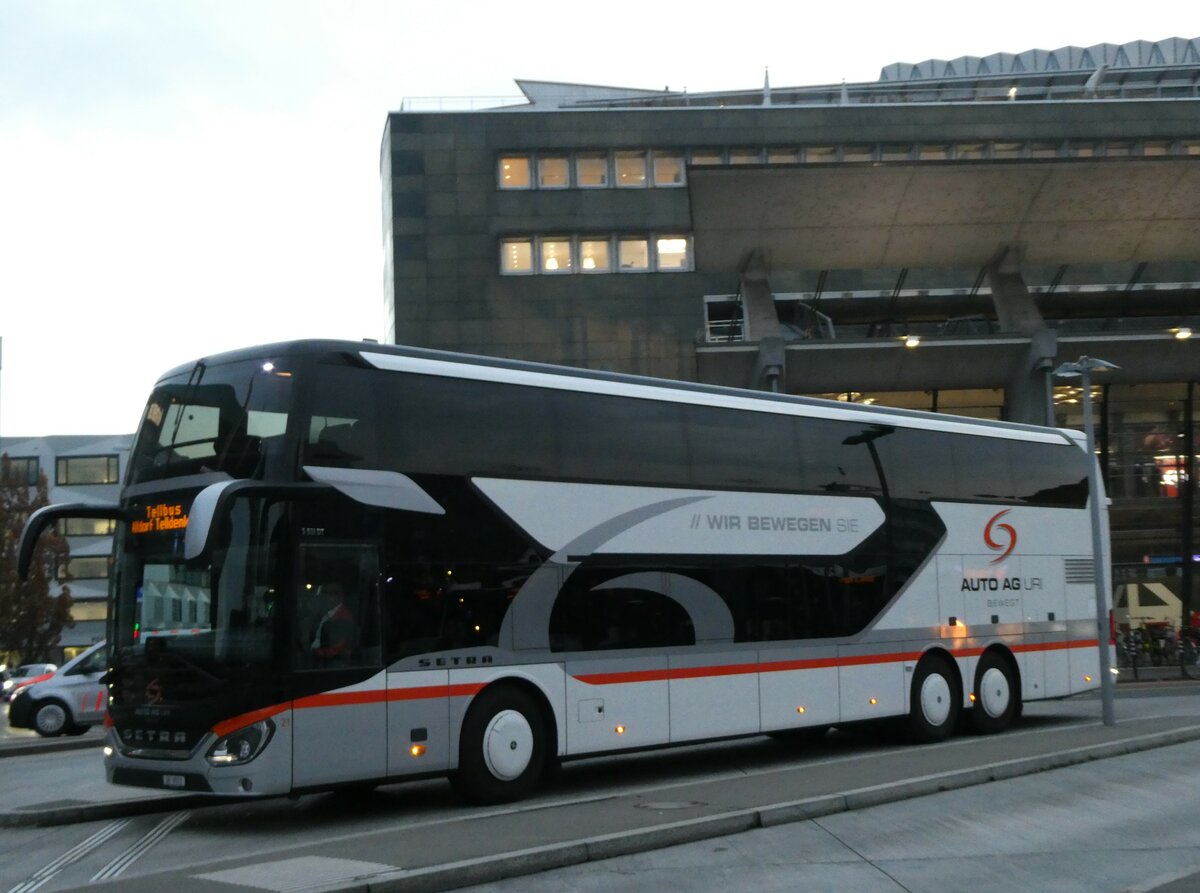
<point>708,156</point>
<point>631,169</point>
<point>783,156</point>
<point>745,156</point>
<point>1083,150</point>
<point>1156,149</point>
<point>933,153</point>
<point>553,173</point>
<point>516,256</point>
<point>87,527</point>
<point>1191,148</point>
<point>818,154</point>
<point>85,568</point>
<point>896,153</point>
<point>633,255</point>
<point>858,153</point>
<point>514,172</point>
<point>78,470</point>
<point>672,252</point>
<point>668,169</point>
<point>81,611</point>
<point>593,256</point>
<point>556,256</point>
<point>1043,150</point>
<point>1118,148</point>
<point>591,171</point>
<point>969,151</point>
<point>1006,150</point>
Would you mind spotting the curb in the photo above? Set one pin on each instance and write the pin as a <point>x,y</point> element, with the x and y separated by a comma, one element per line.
<point>576,852</point>
<point>37,817</point>
<point>35,746</point>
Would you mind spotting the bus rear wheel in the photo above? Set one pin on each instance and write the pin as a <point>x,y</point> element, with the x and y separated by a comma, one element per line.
<point>996,695</point>
<point>934,704</point>
<point>502,749</point>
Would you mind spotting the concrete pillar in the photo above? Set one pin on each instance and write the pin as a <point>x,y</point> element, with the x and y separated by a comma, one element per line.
<point>1027,396</point>
<point>763,325</point>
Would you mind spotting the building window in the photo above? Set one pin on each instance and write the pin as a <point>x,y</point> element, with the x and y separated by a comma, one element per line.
<point>745,156</point>
<point>514,172</point>
<point>593,256</point>
<point>707,156</point>
<point>818,154</point>
<point>896,153</point>
<point>1006,150</point>
<point>783,156</point>
<point>25,469</point>
<point>858,153</point>
<point>933,153</point>
<point>87,527</point>
<point>556,256</point>
<point>81,611</point>
<point>1156,149</point>
<point>92,567</point>
<point>1044,150</point>
<point>631,169</point>
<point>591,171</point>
<point>1118,149</point>
<point>971,151</point>
<point>1083,150</point>
<point>668,169</point>
<point>516,256</point>
<point>633,255</point>
<point>671,252</point>
<point>553,173</point>
<point>78,470</point>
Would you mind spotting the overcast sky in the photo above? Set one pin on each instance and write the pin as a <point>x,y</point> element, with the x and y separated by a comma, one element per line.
<point>179,178</point>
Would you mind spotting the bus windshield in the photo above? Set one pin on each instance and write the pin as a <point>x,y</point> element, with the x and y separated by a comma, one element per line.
<point>219,418</point>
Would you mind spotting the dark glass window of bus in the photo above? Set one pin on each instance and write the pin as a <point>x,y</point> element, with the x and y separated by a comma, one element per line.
<point>588,619</point>
<point>743,450</point>
<point>621,439</point>
<point>983,468</point>
<point>1048,474</point>
<point>839,457</point>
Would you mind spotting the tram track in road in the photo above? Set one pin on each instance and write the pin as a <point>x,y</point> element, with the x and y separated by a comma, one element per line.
<point>50,870</point>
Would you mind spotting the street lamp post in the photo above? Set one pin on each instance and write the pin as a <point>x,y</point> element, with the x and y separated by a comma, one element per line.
<point>1083,367</point>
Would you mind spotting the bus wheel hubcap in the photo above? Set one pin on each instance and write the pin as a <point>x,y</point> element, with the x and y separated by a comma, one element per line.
<point>935,699</point>
<point>508,744</point>
<point>51,718</point>
<point>993,692</point>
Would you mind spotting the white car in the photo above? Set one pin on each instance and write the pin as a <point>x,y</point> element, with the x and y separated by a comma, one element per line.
<point>69,702</point>
<point>24,675</point>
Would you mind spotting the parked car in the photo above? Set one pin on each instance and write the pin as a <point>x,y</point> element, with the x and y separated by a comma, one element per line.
<point>69,702</point>
<point>26,674</point>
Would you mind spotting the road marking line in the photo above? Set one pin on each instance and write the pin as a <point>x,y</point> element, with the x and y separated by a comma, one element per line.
<point>118,865</point>
<point>72,855</point>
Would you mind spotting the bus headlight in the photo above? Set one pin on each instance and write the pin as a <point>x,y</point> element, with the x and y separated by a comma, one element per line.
<point>241,746</point>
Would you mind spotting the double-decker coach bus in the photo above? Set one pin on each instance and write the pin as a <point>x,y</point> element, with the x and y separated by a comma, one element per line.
<point>343,563</point>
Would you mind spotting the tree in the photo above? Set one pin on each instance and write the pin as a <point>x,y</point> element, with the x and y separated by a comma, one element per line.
<point>31,618</point>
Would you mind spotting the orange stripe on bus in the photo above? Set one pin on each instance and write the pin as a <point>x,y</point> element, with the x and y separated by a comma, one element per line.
<point>347,699</point>
<point>815,663</point>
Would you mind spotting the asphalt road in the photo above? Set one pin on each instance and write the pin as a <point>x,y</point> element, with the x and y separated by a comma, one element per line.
<point>324,841</point>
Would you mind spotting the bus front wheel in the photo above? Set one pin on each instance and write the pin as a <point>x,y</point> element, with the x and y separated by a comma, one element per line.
<point>502,749</point>
<point>934,703</point>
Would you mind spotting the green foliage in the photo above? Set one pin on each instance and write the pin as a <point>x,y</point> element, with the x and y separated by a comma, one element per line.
<point>31,618</point>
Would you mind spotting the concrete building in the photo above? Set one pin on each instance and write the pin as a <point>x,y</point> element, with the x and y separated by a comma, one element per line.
<point>941,238</point>
<point>88,469</point>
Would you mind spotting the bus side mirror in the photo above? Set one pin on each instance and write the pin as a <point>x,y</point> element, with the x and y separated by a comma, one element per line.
<point>211,508</point>
<point>44,517</point>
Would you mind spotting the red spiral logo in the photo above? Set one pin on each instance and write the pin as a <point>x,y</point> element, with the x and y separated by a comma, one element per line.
<point>989,538</point>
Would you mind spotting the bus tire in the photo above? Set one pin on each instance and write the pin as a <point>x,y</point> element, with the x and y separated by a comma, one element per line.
<point>51,718</point>
<point>934,705</point>
<point>502,748</point>
<point>997,695</point>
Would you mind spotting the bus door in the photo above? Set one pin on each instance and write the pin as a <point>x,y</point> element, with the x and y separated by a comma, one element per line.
<point>339,715</point>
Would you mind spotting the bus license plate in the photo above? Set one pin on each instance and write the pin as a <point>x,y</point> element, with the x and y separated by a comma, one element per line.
<point>173,781</point>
